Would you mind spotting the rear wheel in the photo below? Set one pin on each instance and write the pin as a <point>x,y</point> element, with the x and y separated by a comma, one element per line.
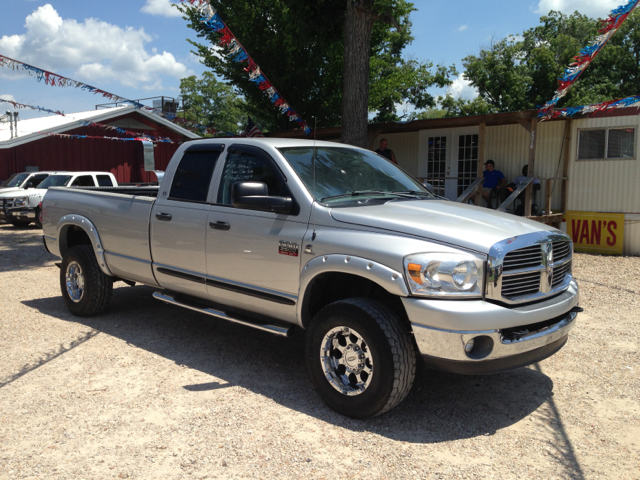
<point>86,290</point>
<point>361,359</point>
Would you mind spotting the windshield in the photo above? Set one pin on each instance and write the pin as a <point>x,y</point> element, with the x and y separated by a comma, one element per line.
<point>348,175</point>
<point>15,180</point>
<point>55,181</point>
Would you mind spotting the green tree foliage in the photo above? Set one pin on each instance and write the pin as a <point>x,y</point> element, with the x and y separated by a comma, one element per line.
<point>520,73</point>
<point>212,103</point>
<point>449,106</point>
<point>299,46</point>
<point>395,80</point>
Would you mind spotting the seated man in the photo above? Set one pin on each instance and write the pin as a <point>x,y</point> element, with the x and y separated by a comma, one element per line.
<point>493,180</point>
<point>520,179</point>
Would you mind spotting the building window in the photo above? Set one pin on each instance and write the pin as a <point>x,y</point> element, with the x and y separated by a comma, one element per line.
<point>606,144</point>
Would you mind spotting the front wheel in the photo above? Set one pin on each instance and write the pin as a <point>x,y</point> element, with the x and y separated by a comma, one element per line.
<point>86,290</point>
<point>361,359</point>
<point>38,220</point>
<point>19,223</point>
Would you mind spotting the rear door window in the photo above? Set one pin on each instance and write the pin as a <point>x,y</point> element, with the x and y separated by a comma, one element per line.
<point>193,176</point>
<point>104,181</point>
<point>83,181</point>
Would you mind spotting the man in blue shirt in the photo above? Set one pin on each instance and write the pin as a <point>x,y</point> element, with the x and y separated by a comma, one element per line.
<point>493,179</point>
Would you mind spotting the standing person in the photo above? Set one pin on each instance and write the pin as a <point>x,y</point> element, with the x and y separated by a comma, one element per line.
<point>493,180</point>
<point>385,152</point>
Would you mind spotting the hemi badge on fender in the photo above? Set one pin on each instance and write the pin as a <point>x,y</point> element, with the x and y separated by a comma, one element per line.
<point>288,248</point>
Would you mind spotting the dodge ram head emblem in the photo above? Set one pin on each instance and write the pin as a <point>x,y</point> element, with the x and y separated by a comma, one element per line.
<point>547,260</point>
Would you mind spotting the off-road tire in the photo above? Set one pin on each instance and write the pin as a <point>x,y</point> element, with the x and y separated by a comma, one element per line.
<point>392,349</point>
<point>37,220</point>
<point>97,286</point>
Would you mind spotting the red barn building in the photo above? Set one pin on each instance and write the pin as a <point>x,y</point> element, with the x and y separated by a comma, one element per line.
<point>33,148</point>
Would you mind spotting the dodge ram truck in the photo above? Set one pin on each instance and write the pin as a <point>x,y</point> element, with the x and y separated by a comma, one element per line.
<point>276,234</point>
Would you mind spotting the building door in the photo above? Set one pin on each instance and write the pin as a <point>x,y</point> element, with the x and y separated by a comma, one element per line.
<point>467,155</point>
<point>449,159</point>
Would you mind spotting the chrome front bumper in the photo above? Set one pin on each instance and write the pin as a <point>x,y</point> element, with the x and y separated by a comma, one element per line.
<point>521,336</point>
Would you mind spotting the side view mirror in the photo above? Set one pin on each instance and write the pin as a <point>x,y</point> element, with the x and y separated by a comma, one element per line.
<point>28,185</point>
<point>255,196</point>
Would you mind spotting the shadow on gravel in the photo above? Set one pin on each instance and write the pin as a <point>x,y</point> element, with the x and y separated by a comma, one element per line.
<point>441,407</point>
<point>21,248</point>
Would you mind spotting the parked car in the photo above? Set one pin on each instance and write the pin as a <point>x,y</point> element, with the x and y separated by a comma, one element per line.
<point>20,181</point>
<point>281,233</point>
<point>23,180</point>
<point>20,208</point>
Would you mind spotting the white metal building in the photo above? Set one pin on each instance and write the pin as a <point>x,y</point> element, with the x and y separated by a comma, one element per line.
<point>597,154</point>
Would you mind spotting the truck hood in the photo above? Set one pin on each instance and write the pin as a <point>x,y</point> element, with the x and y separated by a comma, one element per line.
<point>467,226</point>
<point>9,190</point>
<point>21,192</point>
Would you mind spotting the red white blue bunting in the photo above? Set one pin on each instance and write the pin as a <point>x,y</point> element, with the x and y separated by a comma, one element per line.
<point>56,80</point>
<point>18,106</point>
<point>122,131</point>
<point>583,60</point>
<point>92,137</point>
<point>237,53</point>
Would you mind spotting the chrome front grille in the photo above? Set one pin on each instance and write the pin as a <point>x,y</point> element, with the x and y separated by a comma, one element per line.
<point>529,267</point>
<point>523,258</point>
<point>561,250</point>
<point>523,284</point>
<point>560,272</point>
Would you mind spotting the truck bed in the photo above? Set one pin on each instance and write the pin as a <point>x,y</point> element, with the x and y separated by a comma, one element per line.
<point>120,214</point>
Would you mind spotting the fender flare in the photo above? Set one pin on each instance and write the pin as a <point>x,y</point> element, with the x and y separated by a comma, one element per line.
<point>391,280</point>
<point>89,228</point>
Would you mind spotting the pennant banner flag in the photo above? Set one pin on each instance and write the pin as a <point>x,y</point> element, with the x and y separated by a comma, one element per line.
<point>64,135</point>
<point>17,106</point>
<point>56,80</point>
<point>128,132</point>
<point>599,107</point>
<point>609,27</point>
<point>237,53</point>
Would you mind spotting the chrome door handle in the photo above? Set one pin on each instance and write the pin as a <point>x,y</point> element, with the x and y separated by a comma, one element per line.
<point>219,225</point>
<point>165,217</point>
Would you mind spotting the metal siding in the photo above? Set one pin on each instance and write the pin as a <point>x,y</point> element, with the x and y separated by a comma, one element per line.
<point>508,146</point>
<point>631,235</point>
<point>405,148</point>
<point>604,185</point>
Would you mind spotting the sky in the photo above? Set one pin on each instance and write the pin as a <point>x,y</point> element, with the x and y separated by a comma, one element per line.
<point>138,49</point>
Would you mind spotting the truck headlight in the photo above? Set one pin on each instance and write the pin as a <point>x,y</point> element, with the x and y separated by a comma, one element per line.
<point>20,202</point>
<point>445,275</point>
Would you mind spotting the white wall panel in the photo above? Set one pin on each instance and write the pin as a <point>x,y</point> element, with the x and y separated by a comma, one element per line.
<point>604,185</point>
<point>405,147</point>
<point>631,235</point>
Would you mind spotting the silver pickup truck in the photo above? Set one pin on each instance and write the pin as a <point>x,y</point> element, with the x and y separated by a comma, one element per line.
<point>277,234</point>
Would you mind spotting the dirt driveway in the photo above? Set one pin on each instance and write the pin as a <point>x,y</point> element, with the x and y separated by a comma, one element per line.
<point>153,391</point>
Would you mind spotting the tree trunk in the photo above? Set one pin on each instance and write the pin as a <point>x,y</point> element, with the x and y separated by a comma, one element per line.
<point>355,91</point>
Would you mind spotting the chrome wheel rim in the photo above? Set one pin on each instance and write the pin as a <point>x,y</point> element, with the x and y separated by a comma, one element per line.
<point>75,281</point>
<point>346,361</point>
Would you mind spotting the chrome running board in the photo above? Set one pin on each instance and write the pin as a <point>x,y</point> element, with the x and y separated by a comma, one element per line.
<point>277,330</point>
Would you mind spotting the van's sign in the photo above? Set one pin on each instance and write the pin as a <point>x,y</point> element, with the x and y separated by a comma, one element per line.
<point>596,232</point>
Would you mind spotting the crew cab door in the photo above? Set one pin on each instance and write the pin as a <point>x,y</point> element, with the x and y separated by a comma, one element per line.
<point>179,222</point>
<point>253,257</point>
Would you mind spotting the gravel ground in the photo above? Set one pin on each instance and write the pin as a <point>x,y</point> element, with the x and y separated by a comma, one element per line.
<point>147,390</point>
